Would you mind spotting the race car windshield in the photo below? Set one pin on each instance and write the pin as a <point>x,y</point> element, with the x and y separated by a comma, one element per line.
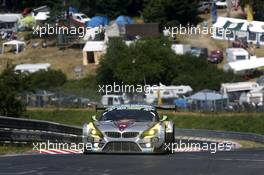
<point>136,115</point>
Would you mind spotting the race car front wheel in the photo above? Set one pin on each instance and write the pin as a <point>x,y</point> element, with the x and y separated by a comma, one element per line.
<point>169,140</point>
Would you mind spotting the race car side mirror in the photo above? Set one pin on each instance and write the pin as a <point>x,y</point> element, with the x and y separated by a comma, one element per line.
<point>164,117</point>
<point>94,118</point>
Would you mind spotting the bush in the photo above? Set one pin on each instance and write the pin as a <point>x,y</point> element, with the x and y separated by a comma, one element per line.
<point>47,79</point>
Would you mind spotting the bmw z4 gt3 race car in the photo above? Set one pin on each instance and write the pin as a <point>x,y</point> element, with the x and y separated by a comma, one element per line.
<point>128,129</point>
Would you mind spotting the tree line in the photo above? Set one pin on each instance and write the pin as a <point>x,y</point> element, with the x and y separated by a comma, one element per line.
<point>152,61</point>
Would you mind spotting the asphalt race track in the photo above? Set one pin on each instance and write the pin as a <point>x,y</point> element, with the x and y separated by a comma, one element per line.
<point>247,162</point>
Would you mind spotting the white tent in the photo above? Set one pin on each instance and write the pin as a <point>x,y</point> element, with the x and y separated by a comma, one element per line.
<point>15,43</point>
<point>95,46</point>
<point>8,22</point>
<point>253,31</point>
<point>10,17</point>
<point>42,16</point>
<point>31,68</point>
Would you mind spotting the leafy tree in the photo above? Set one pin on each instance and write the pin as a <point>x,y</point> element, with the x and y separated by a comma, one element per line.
<point>152,61</point>
<point>116,51</point>
<point>171,11</point>
<point>10,84</point>
<point>111,8</point>
<point>197,73</point>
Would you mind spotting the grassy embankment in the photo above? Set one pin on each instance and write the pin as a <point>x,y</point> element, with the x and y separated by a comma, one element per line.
<point>243,122</point>
<point>240,122</point>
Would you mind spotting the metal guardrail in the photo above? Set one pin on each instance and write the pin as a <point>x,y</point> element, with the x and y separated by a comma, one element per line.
<point>37,136</point>
<point>28,124</point>
<point>27,130</point>
<point>219,134</point>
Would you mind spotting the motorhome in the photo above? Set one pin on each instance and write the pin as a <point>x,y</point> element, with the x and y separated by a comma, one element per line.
<point>236,54</point>
<point>112,99</point>
<point>234,90</point>
<point>166,92</point>
<point>252,97</point>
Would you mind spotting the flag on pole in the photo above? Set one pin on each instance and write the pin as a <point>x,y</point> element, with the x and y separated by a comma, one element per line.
<point>214,12</point>
<point>249,13</point>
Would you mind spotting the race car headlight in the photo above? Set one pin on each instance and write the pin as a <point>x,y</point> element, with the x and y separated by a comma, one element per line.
<point>149,133</point>
<point>94,131</point>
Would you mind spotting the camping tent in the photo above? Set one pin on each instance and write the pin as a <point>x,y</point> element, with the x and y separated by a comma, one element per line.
<point>123,20</point>
<point>16,43</point>
<point>208,100</point>
<point>112,31</point>
<point>181,103</point>
<point>97,21</point>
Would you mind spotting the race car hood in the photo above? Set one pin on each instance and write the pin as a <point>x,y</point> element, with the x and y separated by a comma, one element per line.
<point>126,126</point>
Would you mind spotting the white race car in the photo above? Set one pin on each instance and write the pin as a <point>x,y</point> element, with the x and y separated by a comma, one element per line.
<point>129,129</point>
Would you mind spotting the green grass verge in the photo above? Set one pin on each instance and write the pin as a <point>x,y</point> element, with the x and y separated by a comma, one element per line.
<point>14,149</point>
<point>227,122</point>
<point>70,117</point>
<point>240,123</point>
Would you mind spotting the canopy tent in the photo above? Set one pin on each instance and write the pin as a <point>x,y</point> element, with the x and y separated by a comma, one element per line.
<point>208,100</point>
<point>244,65</point>
<point>253,31</point>
<point>15,43</point>
<point>10,17</point>
<point>207,95</point>
<point>97,21</point>
<point>8,22</point>
<point>123,20</point>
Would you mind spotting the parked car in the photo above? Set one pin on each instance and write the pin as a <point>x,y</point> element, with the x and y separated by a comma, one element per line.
<point>215,57</point>
<point>199,52</point>
<point>204,7</point>
<point>79,18</point>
